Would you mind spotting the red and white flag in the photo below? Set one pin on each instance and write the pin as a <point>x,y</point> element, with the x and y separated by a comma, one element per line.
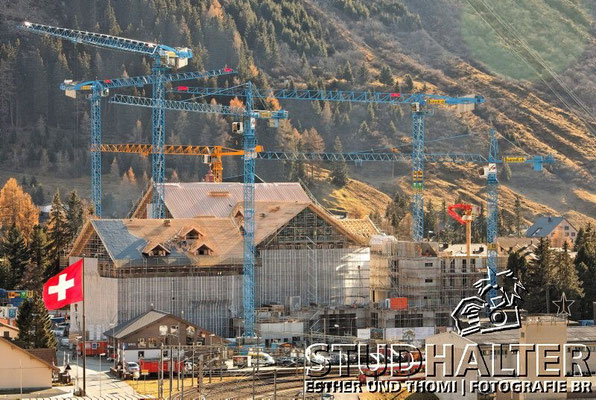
<point>64,288</point>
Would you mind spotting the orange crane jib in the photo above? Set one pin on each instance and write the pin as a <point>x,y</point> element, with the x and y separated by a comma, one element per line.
<point>213,153</point>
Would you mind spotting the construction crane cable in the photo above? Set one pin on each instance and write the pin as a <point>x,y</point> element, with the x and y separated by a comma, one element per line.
<point>522,58</point>
<point>538,58</point>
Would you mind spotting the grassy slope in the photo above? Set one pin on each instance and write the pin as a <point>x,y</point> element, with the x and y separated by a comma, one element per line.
<point>517,108</point>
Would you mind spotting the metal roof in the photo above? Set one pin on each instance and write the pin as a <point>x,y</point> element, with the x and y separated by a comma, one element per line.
<point>133,325</point>
<point>543,226</point>
<point>196,199</point>
<point>125,240</point>
<point>125,244</point>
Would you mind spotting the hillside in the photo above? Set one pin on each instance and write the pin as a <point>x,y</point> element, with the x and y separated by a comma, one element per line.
<point>446,47</point>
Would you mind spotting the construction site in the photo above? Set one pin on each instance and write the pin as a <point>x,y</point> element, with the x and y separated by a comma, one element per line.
<point>256,259</point>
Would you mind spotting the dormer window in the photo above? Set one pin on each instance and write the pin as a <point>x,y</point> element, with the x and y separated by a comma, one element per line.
<point>191,233</point>
<point>239,217</point>
<point>204,250</point>
<point>156,250</point>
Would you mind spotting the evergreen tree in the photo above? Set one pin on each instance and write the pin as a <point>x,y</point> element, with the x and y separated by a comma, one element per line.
<point>538,279</point>
<point>339,170</point>
<point>408,84</point>
<point>14,250</point>
<point>567,280</point>
<point>37,252</point>
<point>386,77</point>
<point>363,74</point>
<point>5,278</point>
<point>585,265</point>
<point>397,209</point>
<point>347,72</point>
<point>35,326</point>
<point>74,215</point>
<point>430,218</point>
<point>57,235</point>
<point>506,172</point>
<point>518,216</point>
<point>516,262</point>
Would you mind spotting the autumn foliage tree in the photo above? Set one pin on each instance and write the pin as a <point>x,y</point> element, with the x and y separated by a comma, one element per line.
<point>17,208</point>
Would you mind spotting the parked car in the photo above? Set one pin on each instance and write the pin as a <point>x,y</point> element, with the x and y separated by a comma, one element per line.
<point>59,332</point>
<point>65,342</point>
<point>132,366</point>
<point>287,361</point>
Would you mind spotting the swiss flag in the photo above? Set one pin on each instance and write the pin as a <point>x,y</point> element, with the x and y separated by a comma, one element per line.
<point>64,288</point>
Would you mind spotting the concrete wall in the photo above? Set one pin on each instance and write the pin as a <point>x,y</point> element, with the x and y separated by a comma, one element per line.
<point>101,302</point>
<point>9,332</point>
<point>563,232</point>
<point>19,367</point>
<point>280,330</point>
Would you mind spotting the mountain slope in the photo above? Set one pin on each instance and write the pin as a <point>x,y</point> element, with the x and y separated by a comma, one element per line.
<point>426,45</point>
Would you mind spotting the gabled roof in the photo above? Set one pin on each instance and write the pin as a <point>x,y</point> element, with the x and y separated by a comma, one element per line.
<point>364,228</point>
<point>150,317</point>
<point>3,325</point>
<point>187,229</point>
<point>543,226</point>
<point>197,199</point>
<point>14,347</point>
<point>133,325</point>
<point>152,245</point>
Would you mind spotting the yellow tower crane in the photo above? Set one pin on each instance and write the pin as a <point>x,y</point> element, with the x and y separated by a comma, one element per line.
<point>212,155</point>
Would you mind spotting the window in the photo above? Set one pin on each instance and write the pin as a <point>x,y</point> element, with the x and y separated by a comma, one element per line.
<point>428,264</point>
<point>374,319</point>
<point>408,320</point>
<point>572,234</point>
<point>428,280</point>
<point>566,234</point>
<point>473,265</point>
<point>464,265</point>
<point>452,266</point>
<point>6,334</point>
<point>140,354</point>
<point>94,346</point>
<point>443,266</point>
<point>566,227</point>
<point>451,282</point>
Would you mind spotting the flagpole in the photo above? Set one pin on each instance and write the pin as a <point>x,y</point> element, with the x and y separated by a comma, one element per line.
<point>84,336</point>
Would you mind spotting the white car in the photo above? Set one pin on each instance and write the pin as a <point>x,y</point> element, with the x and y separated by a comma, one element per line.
<point>132,366</point>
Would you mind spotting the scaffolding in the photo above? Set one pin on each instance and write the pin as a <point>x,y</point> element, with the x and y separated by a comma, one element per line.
<point>432,279</point>
<point>306,260</point>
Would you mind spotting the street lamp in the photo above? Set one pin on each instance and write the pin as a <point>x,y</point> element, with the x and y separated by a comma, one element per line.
<point>77,353</point>
<point>100,372</point>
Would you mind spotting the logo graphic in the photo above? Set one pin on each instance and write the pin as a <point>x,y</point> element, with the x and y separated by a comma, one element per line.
<point>498,305</point>
<point>563,305</point>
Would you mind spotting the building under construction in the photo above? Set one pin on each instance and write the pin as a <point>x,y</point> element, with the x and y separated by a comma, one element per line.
<point>190,264</point>
<point>419,284</point>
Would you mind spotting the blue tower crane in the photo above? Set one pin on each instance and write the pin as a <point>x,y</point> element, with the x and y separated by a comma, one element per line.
<point>419,104</point>
<point>490,172</point>
<point>250,115</point>
<point>492,194</point>
<point>100,88</point>
<point>164,57</point>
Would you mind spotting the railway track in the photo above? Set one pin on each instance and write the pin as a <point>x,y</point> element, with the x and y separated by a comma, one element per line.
<point>262,387</point>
